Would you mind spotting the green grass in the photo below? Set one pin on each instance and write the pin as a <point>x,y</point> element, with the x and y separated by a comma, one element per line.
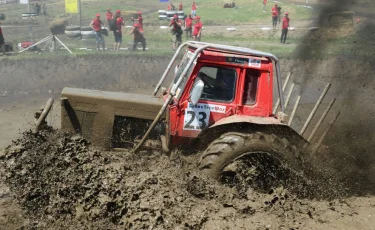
<point>246,12</point>
<point>159,41</point>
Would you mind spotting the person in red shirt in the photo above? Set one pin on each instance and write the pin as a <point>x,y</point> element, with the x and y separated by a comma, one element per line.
<point>139,19</point>
<point>2,42</point>
<point>180,6</point>
<point>108,15</point>
<point>285,26</point>
<point>118,33</point>
<point>194,9</point>
<point>197,32</point>
<point>188,27</point>
<point>138,36</point>
<point>96,25</point>
<point>275,15</point>
<point>176,32</point>
<point>264,5</point>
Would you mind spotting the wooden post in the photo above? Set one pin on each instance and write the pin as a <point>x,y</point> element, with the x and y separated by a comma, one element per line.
<point>320,142</point>
<point>321,120</point>
<point>284,86</point>
<point>294,110</point>
<point>315,108</point>
<point>289,95</point>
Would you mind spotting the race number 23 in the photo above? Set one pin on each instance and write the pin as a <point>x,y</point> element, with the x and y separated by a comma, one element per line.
<point>196,119</point>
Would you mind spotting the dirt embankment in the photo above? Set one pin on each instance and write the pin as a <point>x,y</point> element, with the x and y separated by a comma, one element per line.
<point>103,72</point>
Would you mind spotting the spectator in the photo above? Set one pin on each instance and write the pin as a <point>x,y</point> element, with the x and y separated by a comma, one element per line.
<point>264,5</point>
<point>194,9</point>
<point>279,14</point>
<point>108,15</point>
<point>188,27</point>
<point>176,32</point>
<point>173,7</point>
<point>2,42</point>
<point>197,29</point>
<point>118,32</point>
<point>169,7</point>
<point>180,6</point>
<point>138,36</point>
<point>275,16</point>
<point>285,27</point>
<point>37,9</point>
<point>139,19</point>
<point>44,10</point>
<point>96,25</point>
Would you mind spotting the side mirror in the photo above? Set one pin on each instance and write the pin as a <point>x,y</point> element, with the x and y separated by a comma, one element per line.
<point>196,92</point>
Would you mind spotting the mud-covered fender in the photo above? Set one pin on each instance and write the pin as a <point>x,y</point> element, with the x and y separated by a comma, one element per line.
<point>247,119</point>
<point>247,124</point>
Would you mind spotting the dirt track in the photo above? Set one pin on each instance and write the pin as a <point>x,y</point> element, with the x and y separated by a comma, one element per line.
<point>55,182</point>
<point>146,180</point>
<point>89,189</point>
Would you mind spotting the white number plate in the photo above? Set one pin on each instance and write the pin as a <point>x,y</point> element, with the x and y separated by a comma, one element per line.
<point>197,117</point>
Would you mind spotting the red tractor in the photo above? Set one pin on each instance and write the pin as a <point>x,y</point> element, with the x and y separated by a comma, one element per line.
<point>219,102</point>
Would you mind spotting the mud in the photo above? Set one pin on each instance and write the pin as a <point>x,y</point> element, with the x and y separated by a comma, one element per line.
<point>52,181</point>
<point>62,182</point>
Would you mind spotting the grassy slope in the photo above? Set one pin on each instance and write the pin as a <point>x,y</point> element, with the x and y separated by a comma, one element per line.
<point>248,12</point>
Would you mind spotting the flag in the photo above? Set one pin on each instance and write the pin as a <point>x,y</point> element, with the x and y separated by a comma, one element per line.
<point>71,6</point>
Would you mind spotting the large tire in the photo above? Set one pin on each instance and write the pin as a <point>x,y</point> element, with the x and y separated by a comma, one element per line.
<point>72,28</point>
<point>73,32</point>
<point>86,28</point>
<point>87,33</point>
<point>232,146</point>
<point>88,36</point>
<point>162,12</point>
<point>74,36</point>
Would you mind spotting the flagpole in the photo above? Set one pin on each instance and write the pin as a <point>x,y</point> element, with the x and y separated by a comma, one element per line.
<point>80,13</point>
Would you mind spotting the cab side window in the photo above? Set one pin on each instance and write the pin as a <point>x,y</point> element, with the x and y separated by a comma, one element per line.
<point>219,83</point>
<point>251,86</point>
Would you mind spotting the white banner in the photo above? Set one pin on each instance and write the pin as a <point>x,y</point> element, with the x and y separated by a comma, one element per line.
<point>24,1</point>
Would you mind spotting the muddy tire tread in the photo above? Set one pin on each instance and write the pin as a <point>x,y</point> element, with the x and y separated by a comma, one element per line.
<point>231,145</point>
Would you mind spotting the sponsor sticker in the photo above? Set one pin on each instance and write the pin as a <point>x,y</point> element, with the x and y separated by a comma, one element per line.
<point>255,63</point>
<point>197,117</point>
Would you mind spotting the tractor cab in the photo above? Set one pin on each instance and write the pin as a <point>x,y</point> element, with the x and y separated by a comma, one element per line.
<point>216,85</point>
<point>220,84</point>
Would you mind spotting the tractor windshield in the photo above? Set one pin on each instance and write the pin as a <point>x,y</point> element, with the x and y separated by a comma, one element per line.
<point>219,83</point>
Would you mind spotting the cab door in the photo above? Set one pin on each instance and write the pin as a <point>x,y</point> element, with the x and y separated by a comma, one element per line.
<point>218,100</point>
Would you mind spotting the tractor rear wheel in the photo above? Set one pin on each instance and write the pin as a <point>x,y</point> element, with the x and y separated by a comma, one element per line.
<point>262,161</point>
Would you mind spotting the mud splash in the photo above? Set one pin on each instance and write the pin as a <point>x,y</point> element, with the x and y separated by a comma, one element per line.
<point>62,183</point>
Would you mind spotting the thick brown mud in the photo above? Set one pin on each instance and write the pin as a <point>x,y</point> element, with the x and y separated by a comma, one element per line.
<point>61,182</point>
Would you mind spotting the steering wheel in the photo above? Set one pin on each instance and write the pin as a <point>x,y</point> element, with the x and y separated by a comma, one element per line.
<point>204,77</point>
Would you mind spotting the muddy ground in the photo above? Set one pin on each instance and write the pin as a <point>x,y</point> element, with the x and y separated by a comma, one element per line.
<point>59,182</point>
<point>52,181</point>
<point>63,184</point>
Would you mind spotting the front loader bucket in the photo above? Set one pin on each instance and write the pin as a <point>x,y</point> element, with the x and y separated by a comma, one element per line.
<point>92,113</point>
